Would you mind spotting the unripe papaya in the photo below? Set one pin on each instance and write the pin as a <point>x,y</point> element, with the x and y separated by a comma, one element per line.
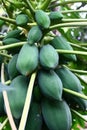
<point>56,15</point>
<point>42,19</point>
<point>8,41</point>
<point>69,80</point>
<point>22,19</point>
<point>34,35</point>
<point>17,97</point>
<point>34,121</point>
<point>49,58</point>
<point>27,60</point>
<point>12,70</point>
<point>13,34</point>
<point>59,42</point>
<point>50,84</point>
<point>57,115</point>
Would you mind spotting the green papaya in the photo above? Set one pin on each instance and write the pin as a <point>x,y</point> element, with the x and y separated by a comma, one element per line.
<point>12,70</point>
<point>8,41</point>
<point>55,16</point>
<point>27,60</point>
<point>13,34</point>
<point>22,19</point>
<point>49,58</point>
<point>50,84</point>
<point>42,19</point>
<point>59,42</point>
<point>17,97</point>
<point>57,115</point>
<point>69,80</point>
<point>34,35</point>
<point>34,121</point>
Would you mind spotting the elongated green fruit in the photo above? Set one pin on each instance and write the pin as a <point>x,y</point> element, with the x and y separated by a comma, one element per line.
<point>49,58</point>
<point>12,70</point>
<point>27,60</point>
<point>59,42</point>
<point>34,35</point>
<point>50,84</point>
<point>22,19</point>
<point>34,121</point>
<point>17,97</point>
<point>69,80</point>
<point>13,34</point>
<point>55,16</point>
<point>8,41</point>
<point>57,115</point>
<point>42,19</point>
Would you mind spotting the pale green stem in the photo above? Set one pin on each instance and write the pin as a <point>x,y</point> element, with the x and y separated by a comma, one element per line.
<point>7,82</point>
<point>79,71</point>
<point>72,24</point>
<point>12,45</point>
<point>78,46</point>
<point>66,2</point>
<point>27,102</point>
<point>3,124</point>
<point>30,7</point>
<point>5,55</point>
<point>45,4</point>
<point>74,20</point>
<point>72,11</point>
<point>71,52</point>
<point>75,93</point>
<point>12,21</point>
<point>83,117</point>
<point>6,102</point>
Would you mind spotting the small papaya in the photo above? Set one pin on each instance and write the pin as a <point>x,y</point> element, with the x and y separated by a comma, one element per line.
<point>12,70</point>
<point>34,35</point>
<point>69,80</point>
<point>48,57</point>
<point>60,42</point>
<point>17,97</point>
<point>55,113</point>
<point>22,19</point>
<point>42,19</point>
<point>50,84</point>
<point>8,41</point>
<point>27,60</point>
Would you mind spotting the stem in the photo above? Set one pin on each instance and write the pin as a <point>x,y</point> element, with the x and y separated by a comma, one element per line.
<point>30,7</point>
<point>5,55</point>
<point>83,117</point>
<point>72,24</point>
<point>7,106</point>
<point>45,4</point>
<point>66,2</point>
<point>72,11</point>
<point>12,45</point>
<point>27,102</point>
<point>75,93</point>
<point>3,124</point>
<point>74,20</point>
<point>12,21</point>
<point>78,71</point>
<point>71,52</point>
<point>78,46</point>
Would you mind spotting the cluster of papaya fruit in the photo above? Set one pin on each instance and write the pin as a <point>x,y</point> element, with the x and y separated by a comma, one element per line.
<point>50,105</point>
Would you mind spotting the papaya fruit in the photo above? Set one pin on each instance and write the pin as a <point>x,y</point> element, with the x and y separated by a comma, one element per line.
<point>22,19</point>
<point>55,113</point>
<point>56,15</point>
<point>48,57</point>
<point>8,41</point>
<point>42,19</point>
<point>34,121</point>
<point>50,84</point>
<point>60,42</point>
<point>12,70</point>
<point>27,60</point>
<point>17,97</point>
<point>13,34</point>
<point>69,80</point>
<point>34,35</point>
